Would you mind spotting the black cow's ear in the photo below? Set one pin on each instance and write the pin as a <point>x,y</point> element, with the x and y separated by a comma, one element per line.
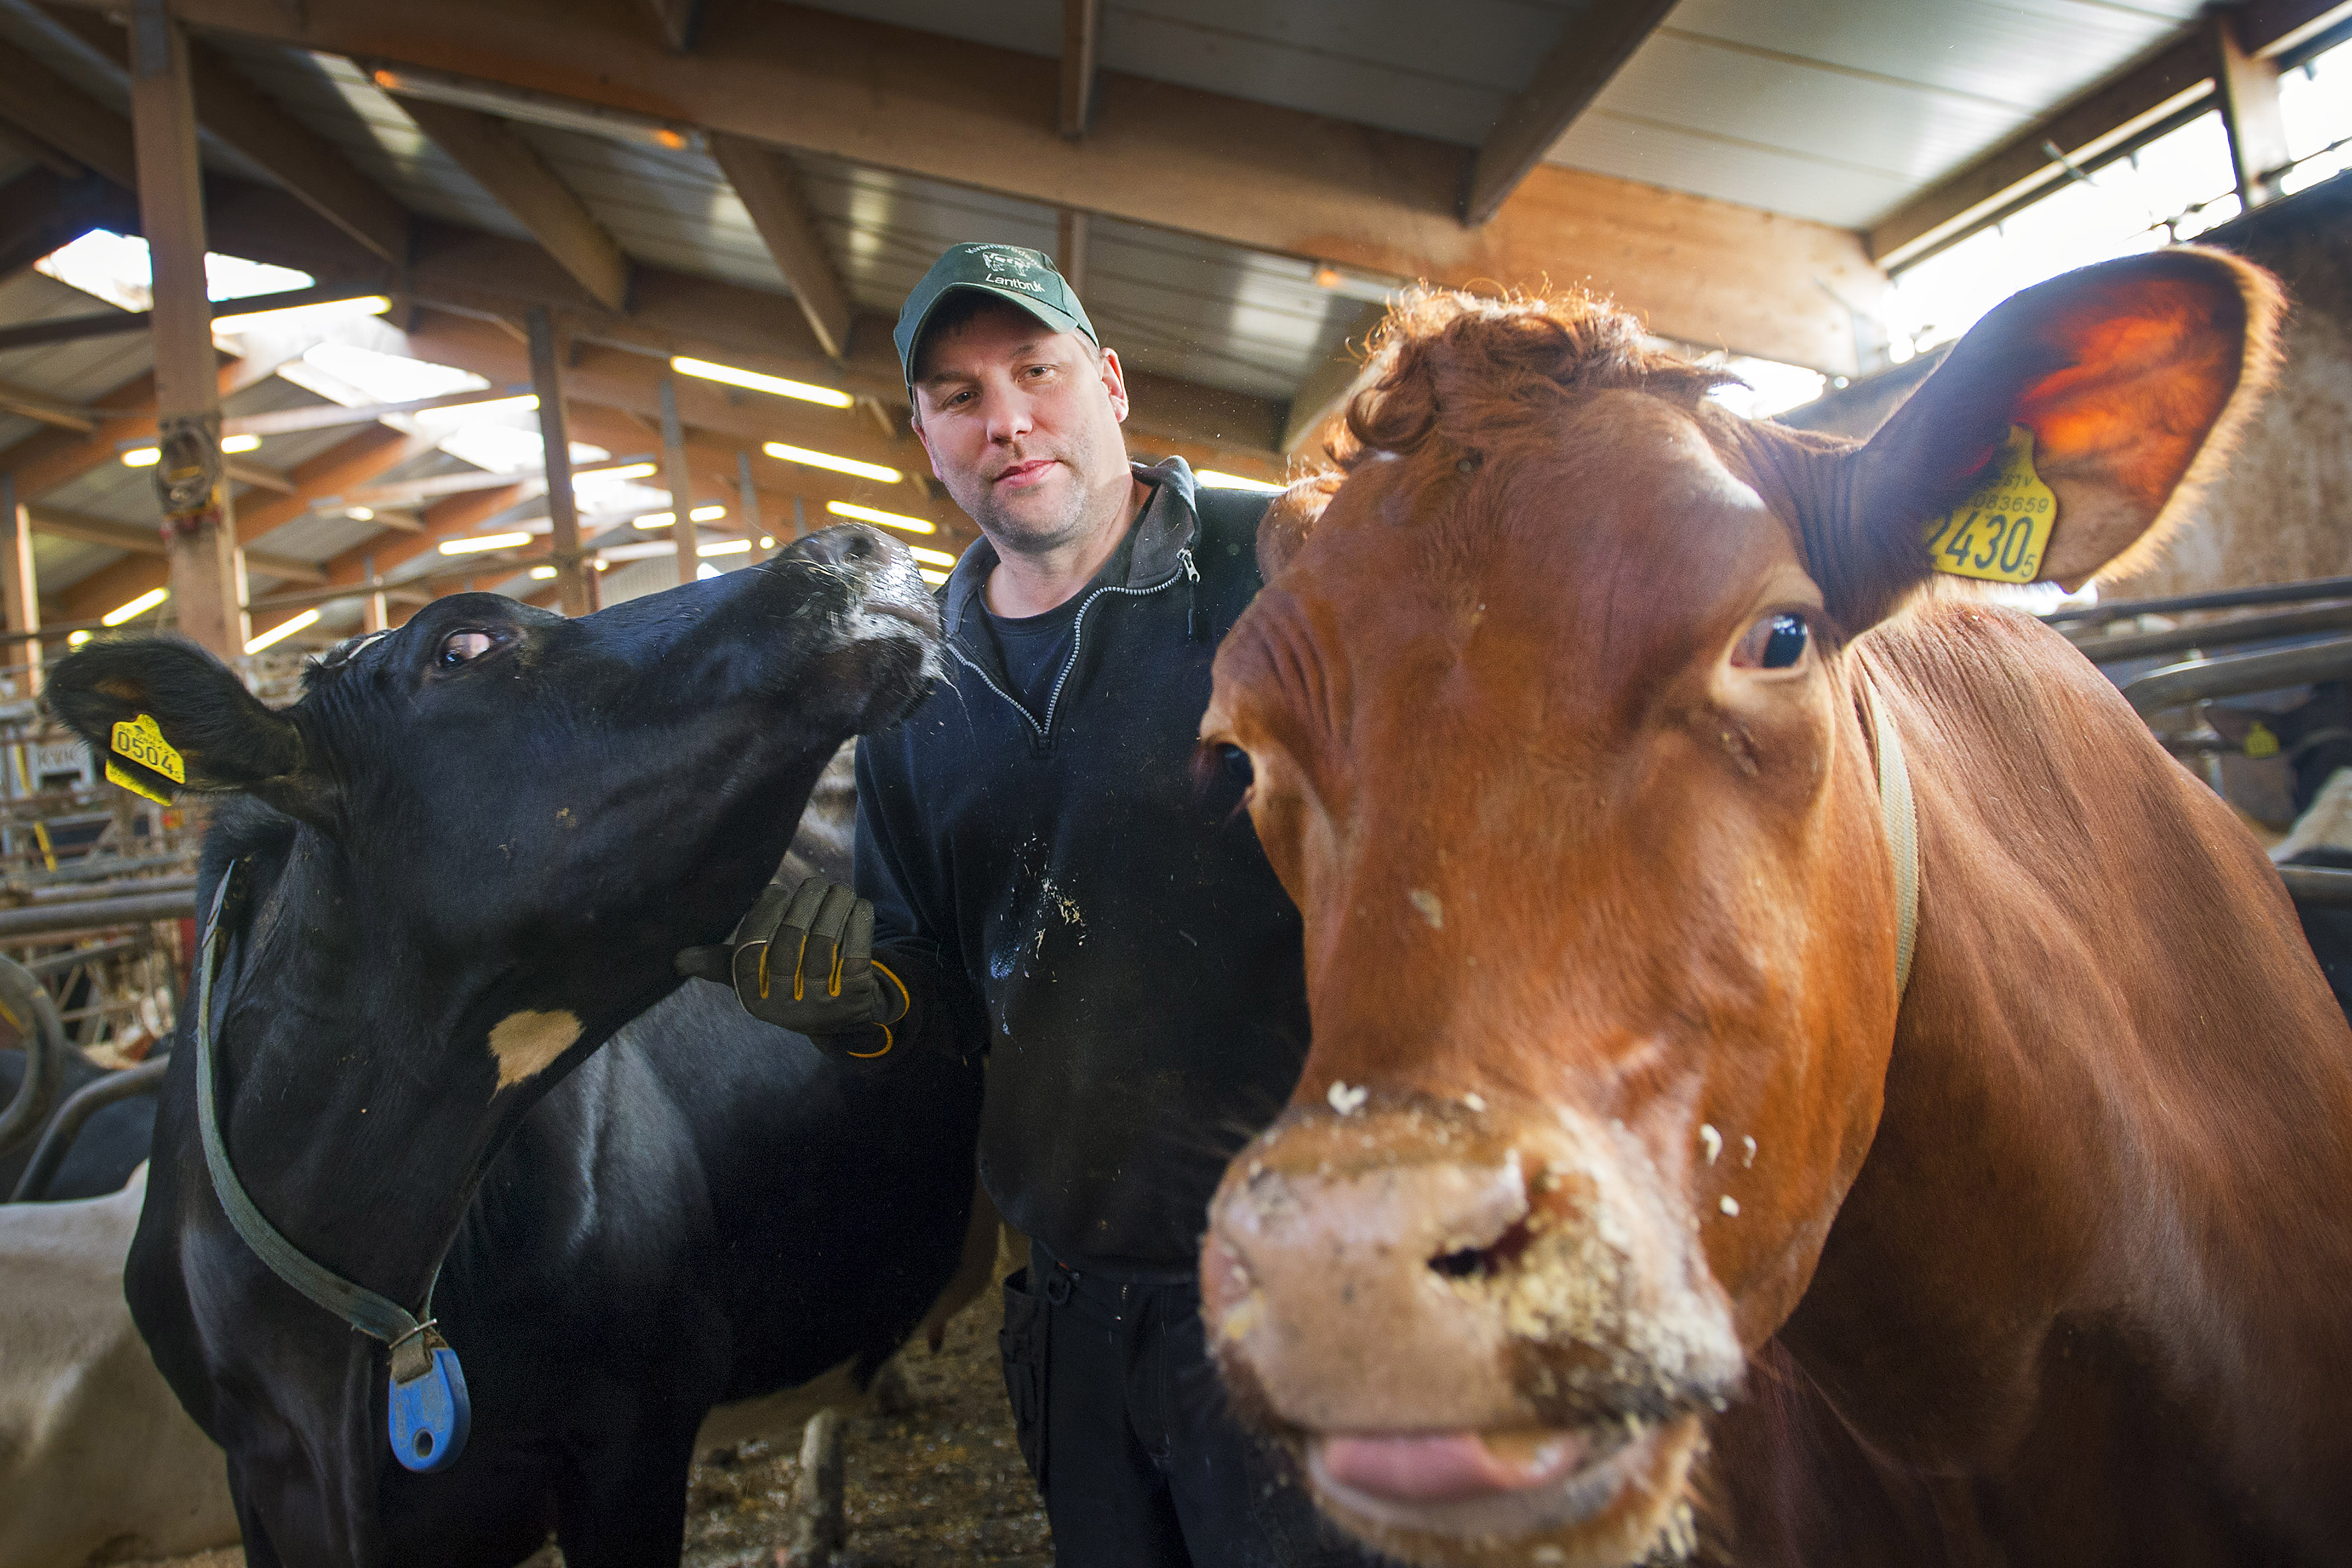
<point>165,716</point>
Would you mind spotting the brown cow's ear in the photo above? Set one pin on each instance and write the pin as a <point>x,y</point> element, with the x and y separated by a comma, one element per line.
<point>166,716</point>
<point>1291,519</point>
<point>2133,376</point>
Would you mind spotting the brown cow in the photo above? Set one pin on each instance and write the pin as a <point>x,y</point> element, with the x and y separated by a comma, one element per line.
<point>1570,724</point>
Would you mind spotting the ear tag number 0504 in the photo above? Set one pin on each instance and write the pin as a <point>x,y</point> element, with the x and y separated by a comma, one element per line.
<point>141,739</point>
<point>2000,533</point>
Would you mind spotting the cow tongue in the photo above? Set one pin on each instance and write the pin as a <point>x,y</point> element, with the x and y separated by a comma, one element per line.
<point>1449,1467</point>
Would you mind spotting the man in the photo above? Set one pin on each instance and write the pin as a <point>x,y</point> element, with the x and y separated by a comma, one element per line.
<point>1050,884</point>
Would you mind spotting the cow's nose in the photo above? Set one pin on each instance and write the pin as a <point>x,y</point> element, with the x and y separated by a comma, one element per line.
<point>1512,1272</point>
<point>853,545</point>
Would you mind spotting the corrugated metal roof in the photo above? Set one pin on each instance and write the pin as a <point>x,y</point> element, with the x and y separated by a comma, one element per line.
<point>1830,110</point>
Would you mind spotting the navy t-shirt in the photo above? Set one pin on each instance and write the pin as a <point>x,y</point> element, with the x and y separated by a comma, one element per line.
<point>1034,648</point>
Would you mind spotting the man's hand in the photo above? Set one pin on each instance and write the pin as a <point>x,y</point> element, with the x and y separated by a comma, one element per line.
<point>803,960</point>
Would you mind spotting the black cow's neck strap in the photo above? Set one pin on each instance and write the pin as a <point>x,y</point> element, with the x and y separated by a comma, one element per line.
<point>356,1304</point>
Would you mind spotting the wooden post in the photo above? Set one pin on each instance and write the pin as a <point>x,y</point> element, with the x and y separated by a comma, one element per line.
<point>199,524</point>
<point>2250,113</point>
<point>375,613</point>
<point>547,379</point>
<point>1070,249</point>
<point>680,480</point>
<point>20,588</point>
<point>747,498</point>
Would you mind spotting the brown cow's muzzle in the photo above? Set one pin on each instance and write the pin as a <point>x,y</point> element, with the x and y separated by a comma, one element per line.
<point>1492,1338</point>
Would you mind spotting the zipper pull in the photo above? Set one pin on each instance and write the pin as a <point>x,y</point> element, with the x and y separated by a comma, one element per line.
<point>1193,630</point>
<point>1185,559</point>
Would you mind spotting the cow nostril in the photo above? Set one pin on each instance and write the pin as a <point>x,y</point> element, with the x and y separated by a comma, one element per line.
<point>1485,1262</point>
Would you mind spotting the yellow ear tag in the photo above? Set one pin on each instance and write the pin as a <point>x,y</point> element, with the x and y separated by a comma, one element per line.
<point>2000,533</point>
<point>2260,742</point>
<point>142,741</point>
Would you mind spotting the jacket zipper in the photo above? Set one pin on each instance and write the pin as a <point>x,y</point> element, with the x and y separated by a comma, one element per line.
<point>1077,641</point>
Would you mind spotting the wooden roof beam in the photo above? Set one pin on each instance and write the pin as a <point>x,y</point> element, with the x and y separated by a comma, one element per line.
<point>298,158</point>
<point>2174,78</point>
<point>150,542</point>
<point>1594,45</point>
<point>47,106</point>
<point>1252,174</point>
<point>769,189</point>
<point>495,153</point>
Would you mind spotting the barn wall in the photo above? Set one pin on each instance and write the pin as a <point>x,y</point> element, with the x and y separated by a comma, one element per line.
<point>2284,509</point>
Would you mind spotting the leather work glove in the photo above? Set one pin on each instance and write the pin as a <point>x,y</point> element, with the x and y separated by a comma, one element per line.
<point>803,960</point>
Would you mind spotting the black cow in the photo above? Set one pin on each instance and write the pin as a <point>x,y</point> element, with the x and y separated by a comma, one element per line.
<point>467,857</point>
<point>110,1145</point>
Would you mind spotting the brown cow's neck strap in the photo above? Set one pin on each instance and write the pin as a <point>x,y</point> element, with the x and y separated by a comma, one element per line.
<point>1898,814</point>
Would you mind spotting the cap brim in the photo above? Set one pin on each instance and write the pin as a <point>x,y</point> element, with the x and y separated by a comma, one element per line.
<point>1050,317</point>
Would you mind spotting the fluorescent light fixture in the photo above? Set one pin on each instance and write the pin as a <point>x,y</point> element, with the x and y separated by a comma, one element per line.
<point>601,564</point>
<point>931,557</point>
<point>75,640</point>
<point>543,573</point>
<point>533,108</point>
<point>615,475</point>
<point>752,379</point>
<point>934,578</point>
<point>767,542</point>
<point>148,456</point>
<point>360,513</point>
<point>886,518</point>
<point>664,519</point>
<point>282,630</point>
<point>136,607</point>
<point>483,541</point>
<point>827,460</point>
<point>726,547</point>
<point>1214,480</point>
<point>325,310</point>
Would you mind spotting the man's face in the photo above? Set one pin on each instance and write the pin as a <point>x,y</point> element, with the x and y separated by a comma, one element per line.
<point>1022,426</point>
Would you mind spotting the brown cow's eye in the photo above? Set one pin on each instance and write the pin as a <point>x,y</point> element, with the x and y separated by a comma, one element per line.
<point>463,648</point>
<point>1775,642</point>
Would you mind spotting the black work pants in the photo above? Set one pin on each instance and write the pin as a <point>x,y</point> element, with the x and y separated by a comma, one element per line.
<point>1125,1426</point>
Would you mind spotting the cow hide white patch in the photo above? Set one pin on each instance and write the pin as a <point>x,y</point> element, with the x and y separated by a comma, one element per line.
<point>525,1042</point>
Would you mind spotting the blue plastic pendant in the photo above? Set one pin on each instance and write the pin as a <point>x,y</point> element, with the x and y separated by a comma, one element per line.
<point>430,1416</point>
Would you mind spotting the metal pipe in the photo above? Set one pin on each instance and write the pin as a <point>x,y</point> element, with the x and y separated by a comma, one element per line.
<point>85,1102</point>
<point>2321,885</point>
<point>2217,634</point>
<point>2219,599</point>
<point>2178,685</point>
<point>57,895</point>
<point>66,963</point>
<point>94,914</point>
<point>25,1001</point>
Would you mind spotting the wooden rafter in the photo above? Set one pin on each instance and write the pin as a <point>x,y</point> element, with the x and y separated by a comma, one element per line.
<point>1070,248</point>
<point>2108,115</point>
<point>297,157</point>
<point>1249,174</point>
<point>148,541</point>
<point>769,189</point>
<point>45,104</point>
<point>495,153</point>
<point>1594,44</point>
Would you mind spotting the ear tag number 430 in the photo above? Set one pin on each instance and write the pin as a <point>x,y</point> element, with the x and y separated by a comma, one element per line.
<point>2000,533</point>
<point>141,739</point>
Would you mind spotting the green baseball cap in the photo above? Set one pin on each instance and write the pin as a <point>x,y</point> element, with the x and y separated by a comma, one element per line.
<point>1012,273</point>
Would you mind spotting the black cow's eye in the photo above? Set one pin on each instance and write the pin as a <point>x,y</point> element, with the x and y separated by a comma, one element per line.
<point>1775,642</point>
<point>462,647</point>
